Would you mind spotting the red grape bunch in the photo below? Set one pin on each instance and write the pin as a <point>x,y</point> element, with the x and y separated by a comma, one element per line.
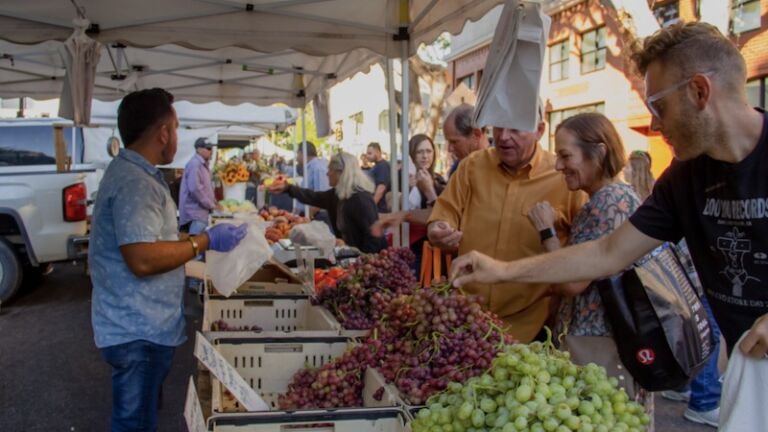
<point>360,297</point>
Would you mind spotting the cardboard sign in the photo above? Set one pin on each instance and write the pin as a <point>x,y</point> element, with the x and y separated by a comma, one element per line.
<point>227,375</point>
<point>193,413</point>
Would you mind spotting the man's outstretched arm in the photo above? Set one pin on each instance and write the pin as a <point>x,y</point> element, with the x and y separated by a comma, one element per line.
<point>586,261</point>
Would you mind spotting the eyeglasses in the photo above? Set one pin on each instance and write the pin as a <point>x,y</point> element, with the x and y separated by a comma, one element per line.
<point>651,100</point>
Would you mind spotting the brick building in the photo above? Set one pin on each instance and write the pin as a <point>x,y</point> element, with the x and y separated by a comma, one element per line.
<point>586,68</point>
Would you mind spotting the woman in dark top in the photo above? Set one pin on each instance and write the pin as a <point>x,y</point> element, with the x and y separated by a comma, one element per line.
<point>349,203</point>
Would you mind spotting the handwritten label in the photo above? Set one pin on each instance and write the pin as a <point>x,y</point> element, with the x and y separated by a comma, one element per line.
<point>193,414</point>
<point>227,375</point>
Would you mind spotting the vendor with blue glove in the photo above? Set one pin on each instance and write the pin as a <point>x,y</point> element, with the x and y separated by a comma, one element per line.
<point>136,260</point>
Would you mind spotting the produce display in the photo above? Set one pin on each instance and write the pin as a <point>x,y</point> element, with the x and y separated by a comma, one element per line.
<point>422,343</point>
<point>282,222</point>
<point>359,299</point>
<point>534,388</point>
<point>237,206</point>
<point>328,278</point>
<point>221,325</point>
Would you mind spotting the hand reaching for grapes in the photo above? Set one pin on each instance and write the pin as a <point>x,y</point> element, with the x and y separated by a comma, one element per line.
<point>755,343</point>
<point>475,267</point>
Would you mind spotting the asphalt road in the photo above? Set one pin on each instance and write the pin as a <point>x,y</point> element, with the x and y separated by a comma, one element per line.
<point>52,377</point>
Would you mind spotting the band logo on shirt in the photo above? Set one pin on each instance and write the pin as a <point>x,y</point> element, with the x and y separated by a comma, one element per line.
<point>755,208</point>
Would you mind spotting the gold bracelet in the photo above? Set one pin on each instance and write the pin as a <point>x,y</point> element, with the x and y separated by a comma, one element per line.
<point>195,247</point>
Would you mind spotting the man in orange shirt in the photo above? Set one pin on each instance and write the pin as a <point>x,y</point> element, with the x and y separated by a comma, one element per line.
<point>485,208</point>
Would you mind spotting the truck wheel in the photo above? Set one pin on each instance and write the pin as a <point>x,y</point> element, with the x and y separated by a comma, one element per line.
<point>10,272</point>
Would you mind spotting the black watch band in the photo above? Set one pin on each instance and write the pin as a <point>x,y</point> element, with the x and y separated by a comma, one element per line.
<point>547,233</point>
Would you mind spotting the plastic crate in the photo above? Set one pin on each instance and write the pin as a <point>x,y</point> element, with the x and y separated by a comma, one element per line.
<point>270,313</point>
<point>360,420</point>
<point>268,365</point>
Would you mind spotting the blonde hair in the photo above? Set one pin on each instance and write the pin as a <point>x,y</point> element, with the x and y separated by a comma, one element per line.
<point>641,177</point>
<point>352,178</point>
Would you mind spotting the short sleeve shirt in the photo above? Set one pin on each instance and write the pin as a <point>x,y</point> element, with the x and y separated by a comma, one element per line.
<point>721,209</point>
<point>382,176</point>
<point>490,205</point>
<point>134,205</point>
<point>606,210</point>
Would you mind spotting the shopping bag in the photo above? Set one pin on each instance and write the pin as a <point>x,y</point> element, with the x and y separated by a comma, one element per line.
<point>229,270</point>
<point>744,399</point>
<point>660,327</point>
<point>315,234</point>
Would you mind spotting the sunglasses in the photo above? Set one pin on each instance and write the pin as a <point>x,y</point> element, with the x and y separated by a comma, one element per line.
<point>651,101</point>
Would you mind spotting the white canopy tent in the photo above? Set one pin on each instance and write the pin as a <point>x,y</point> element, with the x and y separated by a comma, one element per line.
<point>228,75</point>
<point>356,30</point>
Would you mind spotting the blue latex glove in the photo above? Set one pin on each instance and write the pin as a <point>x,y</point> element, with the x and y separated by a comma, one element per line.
<point>224,237</point>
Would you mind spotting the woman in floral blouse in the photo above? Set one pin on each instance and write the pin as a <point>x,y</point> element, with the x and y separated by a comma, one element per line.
<point>590,155</point>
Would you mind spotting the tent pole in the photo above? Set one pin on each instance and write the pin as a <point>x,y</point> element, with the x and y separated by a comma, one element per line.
<point>304,181</point>
<point>295,152</point>
<point>404,129</point>
<point>396,241</point>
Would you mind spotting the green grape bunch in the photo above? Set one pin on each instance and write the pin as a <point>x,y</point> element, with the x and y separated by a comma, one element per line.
<point>535,388</point>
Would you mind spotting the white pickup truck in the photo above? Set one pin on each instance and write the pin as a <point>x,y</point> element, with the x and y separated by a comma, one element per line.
<point>42,212</point>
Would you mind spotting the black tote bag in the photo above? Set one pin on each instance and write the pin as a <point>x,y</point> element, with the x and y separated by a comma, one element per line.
<point>660,327</point>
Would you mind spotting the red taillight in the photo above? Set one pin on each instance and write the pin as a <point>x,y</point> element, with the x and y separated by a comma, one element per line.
<point>75,203</point>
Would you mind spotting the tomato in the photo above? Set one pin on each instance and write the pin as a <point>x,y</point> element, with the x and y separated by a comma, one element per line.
<point>336,272</point>
<point>319,274</point>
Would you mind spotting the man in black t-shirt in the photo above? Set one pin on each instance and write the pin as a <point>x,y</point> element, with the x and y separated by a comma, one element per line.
<point>715,195</point>
<point>381,176</point>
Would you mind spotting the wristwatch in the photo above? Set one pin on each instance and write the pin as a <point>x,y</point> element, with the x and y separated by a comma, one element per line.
<point>195,246</point>
<point>547,233</point>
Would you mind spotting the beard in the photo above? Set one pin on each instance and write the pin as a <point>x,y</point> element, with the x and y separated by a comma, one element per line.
<point>695,132</point>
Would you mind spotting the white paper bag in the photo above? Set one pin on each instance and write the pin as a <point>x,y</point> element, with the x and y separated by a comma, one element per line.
<point>315,234</point>
<point>229,270</point>
<point>509,92</point>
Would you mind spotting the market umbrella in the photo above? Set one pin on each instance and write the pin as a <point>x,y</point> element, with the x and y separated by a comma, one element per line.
<point>80,55</point>
<point>509,92</point>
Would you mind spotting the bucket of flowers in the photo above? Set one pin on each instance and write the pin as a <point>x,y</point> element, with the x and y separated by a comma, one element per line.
<point>233,175</point>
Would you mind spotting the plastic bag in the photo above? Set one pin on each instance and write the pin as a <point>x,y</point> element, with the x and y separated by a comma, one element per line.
<point>229,270</point>
<point>743,402</point>
<point>660,327</point>
<point>315,234</point>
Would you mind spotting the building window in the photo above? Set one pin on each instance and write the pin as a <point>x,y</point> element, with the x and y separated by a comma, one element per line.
<point>593,50</point>
<point>556,117</point>
<point>745,15</point>
<point>468,81</point>
<point>757,92</point>
<point>384,121</point>
<point>667,13</point>
<point>357,121</point>
<point>558,61</point>
<point>338,130</point>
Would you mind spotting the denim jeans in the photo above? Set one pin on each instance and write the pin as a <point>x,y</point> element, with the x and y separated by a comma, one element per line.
<point>706,387</point>
<point>138,371</point>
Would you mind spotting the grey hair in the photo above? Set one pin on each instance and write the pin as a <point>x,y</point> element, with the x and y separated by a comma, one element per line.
<point>352,178</point>
<point>462,119</point>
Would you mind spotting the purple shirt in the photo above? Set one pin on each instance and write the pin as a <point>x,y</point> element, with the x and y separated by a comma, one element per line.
<point>196,198</point>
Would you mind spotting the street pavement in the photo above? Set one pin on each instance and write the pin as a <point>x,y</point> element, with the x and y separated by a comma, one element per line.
<point>52,377</point>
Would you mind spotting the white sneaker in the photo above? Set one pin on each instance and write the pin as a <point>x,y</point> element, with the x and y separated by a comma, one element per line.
<point>709,418</point>
<point>676,395</point>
